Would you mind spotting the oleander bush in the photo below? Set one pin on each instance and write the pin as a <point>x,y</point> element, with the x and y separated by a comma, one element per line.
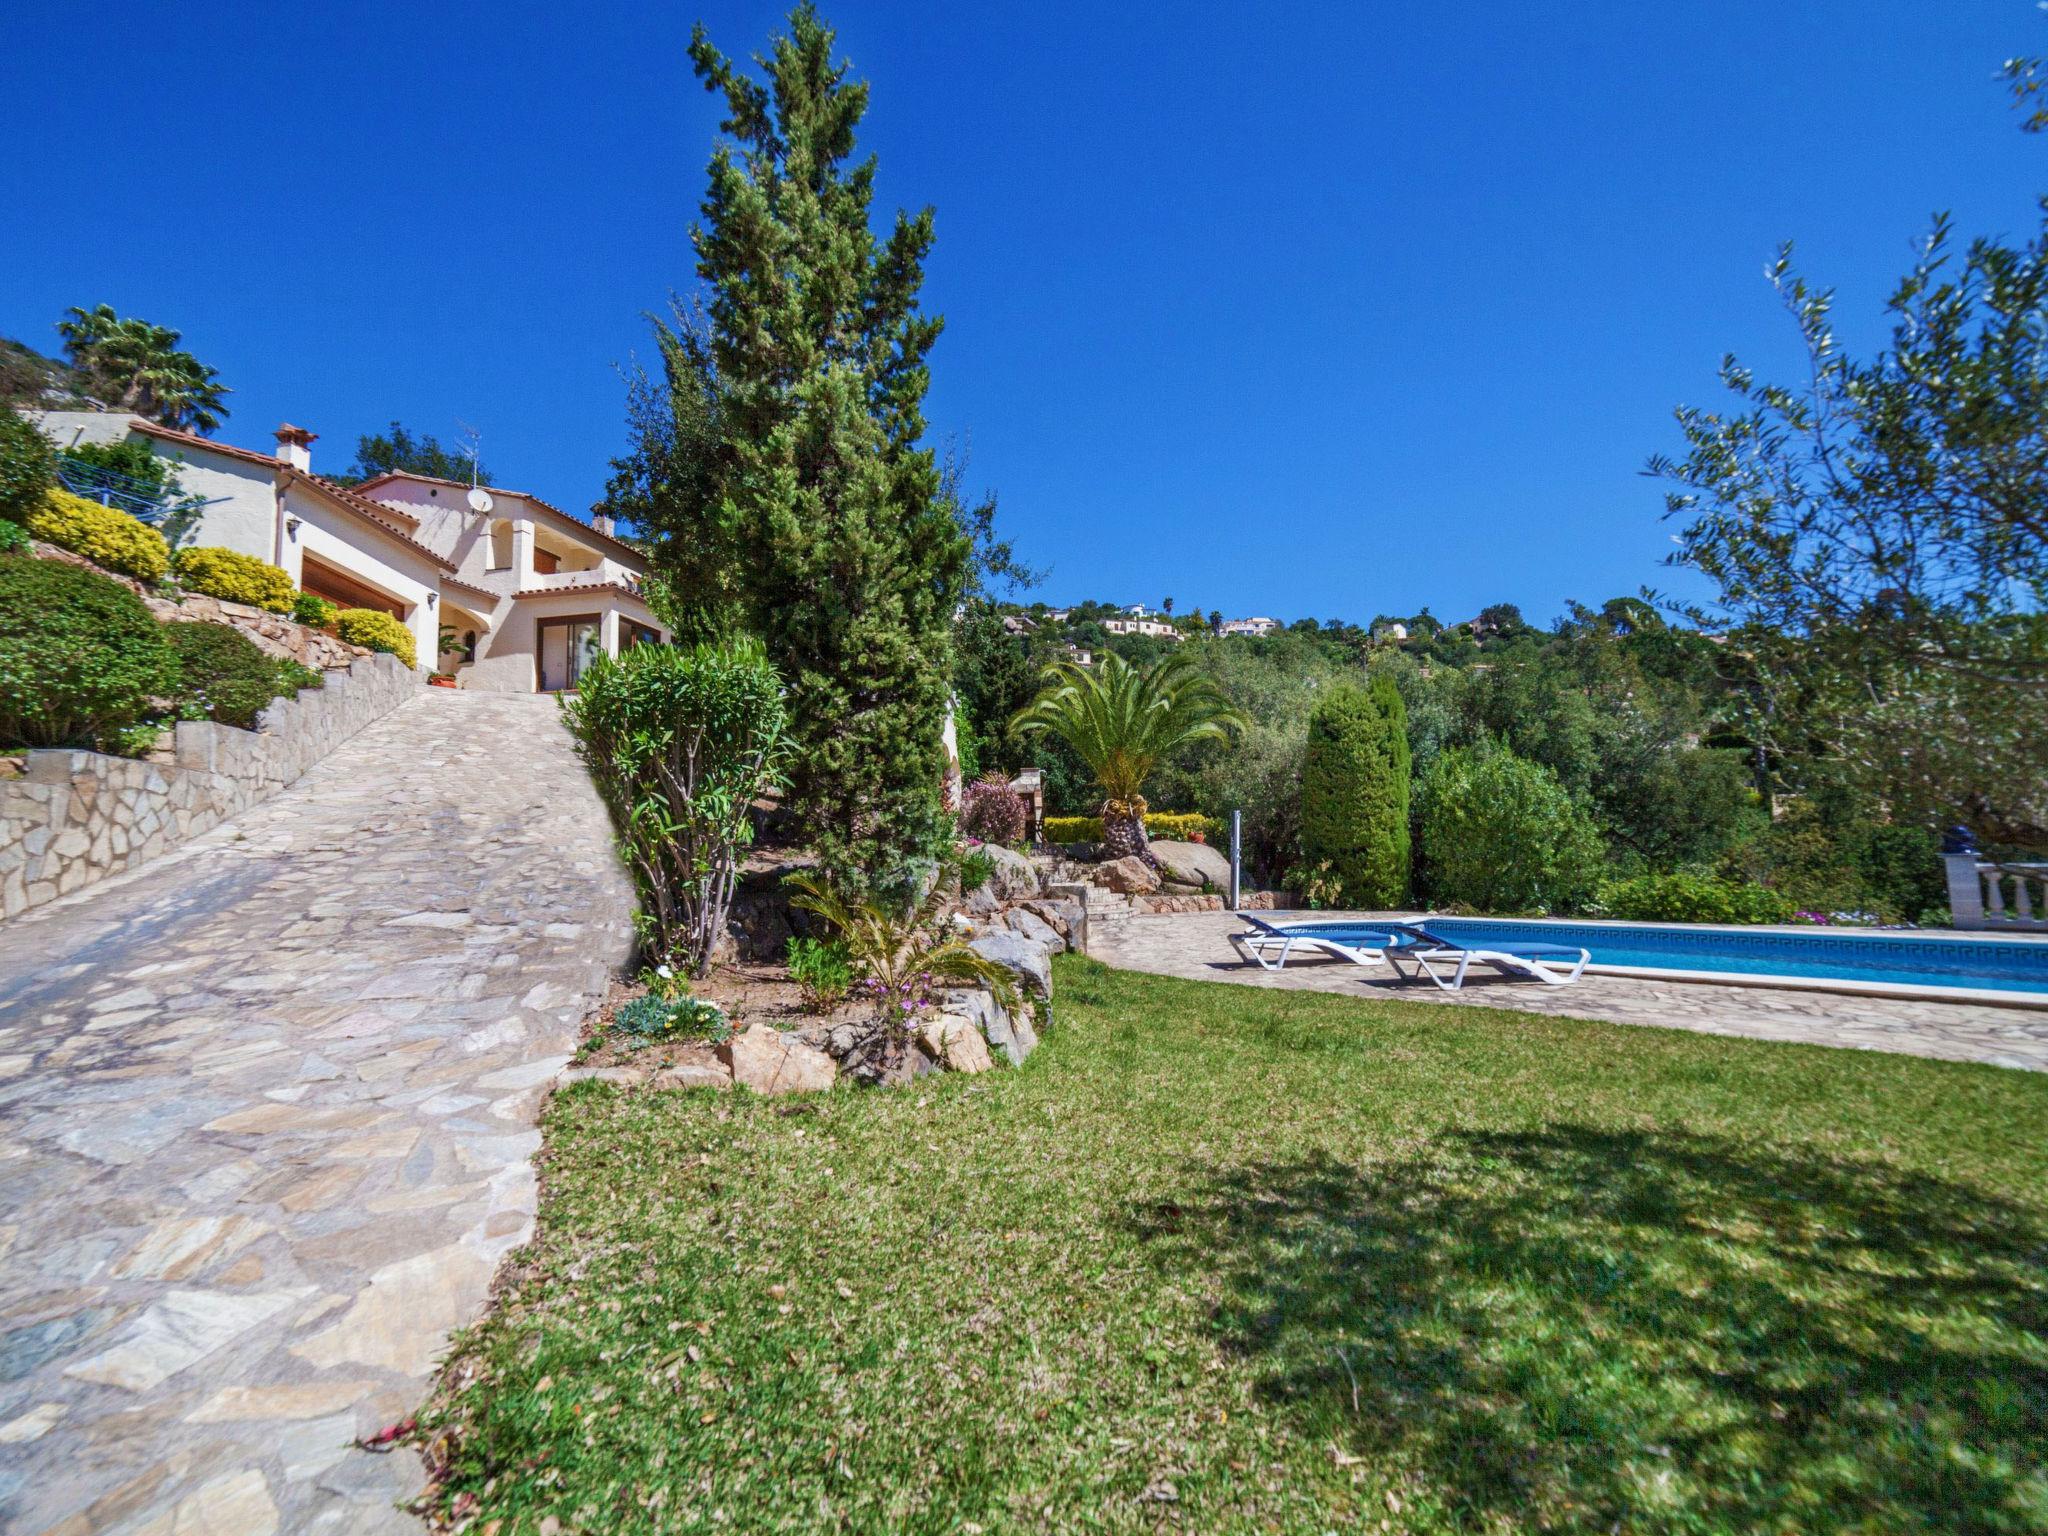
<point>1176,826</point>
<point>104,536</point>
<point>314,612</point>
<point>376,630</point>
<point>227,677</point>
<point>1690,898</point>
<point>28,466</point>
<point>680,742</point>
<point>81,658</point>
<point>234,577</point>
<point>992,811</point>
<point>1501,835</point>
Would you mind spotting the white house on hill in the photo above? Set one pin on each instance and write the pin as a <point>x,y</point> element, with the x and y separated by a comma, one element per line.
<point>530,593</point>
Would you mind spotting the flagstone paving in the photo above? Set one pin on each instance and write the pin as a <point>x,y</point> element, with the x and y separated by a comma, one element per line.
<point>1197,946</point>
<point>267,1121</point>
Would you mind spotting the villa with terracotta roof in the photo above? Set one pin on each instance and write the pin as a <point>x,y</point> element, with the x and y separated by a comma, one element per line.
<point>528,593</point>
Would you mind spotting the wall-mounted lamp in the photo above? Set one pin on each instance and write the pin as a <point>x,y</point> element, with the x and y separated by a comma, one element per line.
<point>291,528</point>
<point>433,598</point>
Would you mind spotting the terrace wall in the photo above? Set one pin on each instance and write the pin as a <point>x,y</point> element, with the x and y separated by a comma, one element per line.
<point>70,818</point>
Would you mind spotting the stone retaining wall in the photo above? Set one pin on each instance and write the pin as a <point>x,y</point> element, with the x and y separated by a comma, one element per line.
<point>70,818</point>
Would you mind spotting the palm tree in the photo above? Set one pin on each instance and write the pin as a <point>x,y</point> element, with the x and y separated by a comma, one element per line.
<point>135,366</point>
<point>1122,720</point>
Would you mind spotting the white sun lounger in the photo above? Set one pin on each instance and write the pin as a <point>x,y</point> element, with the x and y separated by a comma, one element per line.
<point>1555,965</point>
<point>1269,943</point>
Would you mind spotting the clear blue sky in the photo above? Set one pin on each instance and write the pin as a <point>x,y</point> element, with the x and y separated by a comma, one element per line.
<point>1309,310</point>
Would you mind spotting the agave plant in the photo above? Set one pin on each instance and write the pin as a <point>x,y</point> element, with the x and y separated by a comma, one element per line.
<point>1122,721</point>
<point>903,955</point>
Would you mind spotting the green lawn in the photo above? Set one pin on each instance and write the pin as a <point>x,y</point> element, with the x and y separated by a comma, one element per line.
<point>1221,1259</point>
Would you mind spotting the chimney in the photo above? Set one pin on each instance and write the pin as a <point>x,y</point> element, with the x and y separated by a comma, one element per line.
<point>601,520</point>
<point>295,447</point>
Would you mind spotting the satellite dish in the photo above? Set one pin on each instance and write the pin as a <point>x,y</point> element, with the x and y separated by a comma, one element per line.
<point>480,499</point>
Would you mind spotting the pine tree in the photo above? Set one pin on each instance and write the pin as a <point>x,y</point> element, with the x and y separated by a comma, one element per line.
<point>810,513</point>
<point>1355,791</point>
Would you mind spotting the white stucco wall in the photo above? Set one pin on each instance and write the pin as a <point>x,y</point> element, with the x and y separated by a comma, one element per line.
<point>507,658</point>
<point>243,514</point>
<point>349,544</point>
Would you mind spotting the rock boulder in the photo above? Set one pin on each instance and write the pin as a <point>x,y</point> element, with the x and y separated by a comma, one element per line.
<point>1027,959</point>
<point>1015,879</point>
<point>772,1063</point>
<point>1191,864</point>
<point>1027,922</point>
<point>954,1042</point>
<point>1130,876</point>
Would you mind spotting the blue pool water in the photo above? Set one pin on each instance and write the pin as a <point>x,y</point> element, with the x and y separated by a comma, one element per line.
<point>1888,958</point>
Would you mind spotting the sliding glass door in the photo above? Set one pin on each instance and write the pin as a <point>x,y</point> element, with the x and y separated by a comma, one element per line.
<point>566,647</point>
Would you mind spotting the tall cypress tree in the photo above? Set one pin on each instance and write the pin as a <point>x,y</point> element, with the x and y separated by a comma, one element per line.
<point>1355,790</point>
<point>810,512</point>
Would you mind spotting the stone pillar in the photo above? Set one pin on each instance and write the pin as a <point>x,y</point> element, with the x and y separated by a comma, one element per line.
<point>1959,859</point>
<point>522,549</point>
<point>608,631</point>
<point>1030,787</point>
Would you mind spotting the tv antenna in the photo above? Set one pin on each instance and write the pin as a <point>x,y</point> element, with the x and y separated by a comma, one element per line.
<point>473,449</point>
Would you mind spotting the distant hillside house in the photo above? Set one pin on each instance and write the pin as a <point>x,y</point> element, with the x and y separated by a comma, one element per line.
<point>1141,627</point>
<point>1258,626</point>
<point>531,593</point>
<point>1019,624</point>
<point>1392,632</point>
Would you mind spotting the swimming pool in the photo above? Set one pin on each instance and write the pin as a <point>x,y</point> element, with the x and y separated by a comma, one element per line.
<point>1877,960</point>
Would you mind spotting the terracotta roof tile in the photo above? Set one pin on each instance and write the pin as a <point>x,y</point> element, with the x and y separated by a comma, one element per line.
<point>369,511</point>
<point>193,439</point>
<point>473,591</point>
<point>611,582</point>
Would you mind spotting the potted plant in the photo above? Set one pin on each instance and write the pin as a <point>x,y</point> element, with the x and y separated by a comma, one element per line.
<point>441,680</point>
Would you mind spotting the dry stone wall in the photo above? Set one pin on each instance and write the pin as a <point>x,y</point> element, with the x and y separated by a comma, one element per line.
<point>69,818</point>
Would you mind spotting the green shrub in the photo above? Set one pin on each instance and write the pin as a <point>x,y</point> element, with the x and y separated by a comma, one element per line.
<point>1175,826</point>
<point>315,612</point>
<point>14,538</point>
<point>823,969</point>
<point>680,741</point>
<point>1500,834</point>
<point>80,656</point>
<point>1315,886</point>
<point>28,466</point>
<point>235,577</point>
<point>1687,898</point>
<point>133,459</point>
<point>977,868</point>
<point>104,536</point>
<point>226,676</point>
<point>669,1012</point>
<point>377,631</point>
<point>1354,793</point>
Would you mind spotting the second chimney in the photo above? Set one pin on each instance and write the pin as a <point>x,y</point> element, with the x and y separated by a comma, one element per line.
<point>295,447</point>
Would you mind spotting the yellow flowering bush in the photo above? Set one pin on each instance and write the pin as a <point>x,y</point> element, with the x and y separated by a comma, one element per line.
<point>104,536</point>
<point>376,630</point>
<point>235,577</point>
<point>1174,826</point>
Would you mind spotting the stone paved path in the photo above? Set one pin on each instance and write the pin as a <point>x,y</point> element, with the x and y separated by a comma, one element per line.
<point>266,1122</point>
<point>1197,946</point>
